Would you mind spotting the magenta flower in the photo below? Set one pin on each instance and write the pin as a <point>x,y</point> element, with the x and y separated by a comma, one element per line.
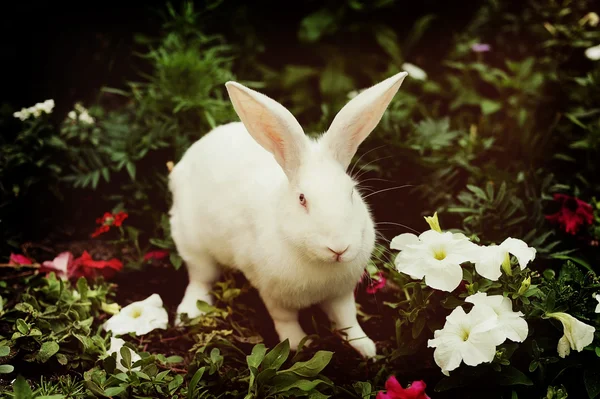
<point>377,284</point>
<point>481,47</point>
<point>18,260</point>
<point>395,391</point>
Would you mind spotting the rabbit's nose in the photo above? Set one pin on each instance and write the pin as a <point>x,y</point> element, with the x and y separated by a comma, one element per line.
<point>338,253</point>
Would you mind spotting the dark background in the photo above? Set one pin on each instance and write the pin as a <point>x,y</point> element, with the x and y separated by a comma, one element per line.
<point>67,51</point>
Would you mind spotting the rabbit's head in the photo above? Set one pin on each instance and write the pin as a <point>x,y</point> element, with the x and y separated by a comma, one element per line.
<point>320,211</point>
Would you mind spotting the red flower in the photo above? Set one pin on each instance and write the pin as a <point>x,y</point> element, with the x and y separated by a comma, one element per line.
<point>107,220</point>
<point>573,213</point>
<point>85,266</point>
<point>395,391</point>
<point>119,217</point>
<point>16,259</point>
<point>376,284</point>
<point>158,254</point>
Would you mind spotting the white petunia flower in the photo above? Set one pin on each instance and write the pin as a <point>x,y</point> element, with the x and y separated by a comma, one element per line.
<point>414,71</point>
<point>434,256</point>
<point>512,324</point>
<point>597,297</point>
<point>489,259</point>
<point>593,53</point>
<point>139,317</point>
<point>115,347</point>
<point>470,337</point>
<point>577,334</point>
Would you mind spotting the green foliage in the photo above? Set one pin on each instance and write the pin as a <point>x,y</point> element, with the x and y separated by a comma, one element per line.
<point>52,323</point>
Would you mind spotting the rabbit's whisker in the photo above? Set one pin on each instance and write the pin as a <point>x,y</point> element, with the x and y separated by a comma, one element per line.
<point>399,225</point>
<point>358,160</point>
<point>387,189</point>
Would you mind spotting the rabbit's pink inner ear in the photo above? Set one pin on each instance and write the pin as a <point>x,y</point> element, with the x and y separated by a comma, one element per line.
<point>359,117</point>
<point>271,125</point>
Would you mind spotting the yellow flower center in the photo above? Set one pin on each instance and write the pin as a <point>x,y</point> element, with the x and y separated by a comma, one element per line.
<point>136,312</point>
<point>464,335</point>
<point>439,253</point>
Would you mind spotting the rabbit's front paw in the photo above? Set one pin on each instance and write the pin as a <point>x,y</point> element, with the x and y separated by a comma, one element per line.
<point>365,346</point>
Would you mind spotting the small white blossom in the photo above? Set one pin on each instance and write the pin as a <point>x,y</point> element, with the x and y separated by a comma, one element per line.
<point>434,256</point>
<point>115,347</point>
<point>512,324</point>
<point>597,297</point>
<point>36,110</point>
<point>86,118</point>
<point>72,115</point>
<point>47,106</point>
<point>489,259</point>
<point>576,333</point>
<point>414,71</point>
<point>593,53</point>
<point>470,337</point>
<point>22,114</point>
<point>139,317</point>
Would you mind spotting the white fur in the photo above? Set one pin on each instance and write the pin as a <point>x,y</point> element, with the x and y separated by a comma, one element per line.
<point>236,203</point>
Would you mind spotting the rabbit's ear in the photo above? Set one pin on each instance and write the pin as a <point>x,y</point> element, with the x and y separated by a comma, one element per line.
<point>271,125</point>
<point>359,117</point>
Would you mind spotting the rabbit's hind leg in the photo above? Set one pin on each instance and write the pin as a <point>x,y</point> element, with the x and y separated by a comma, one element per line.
<point>202,271</point>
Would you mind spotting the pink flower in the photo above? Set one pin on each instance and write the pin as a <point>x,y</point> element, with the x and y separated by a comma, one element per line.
<point>395,391</point>
<point>481,48</point>
<point>158,254</point>
<point>573,213</point>
<point>377,284</point>
<point>61,265</point>
<point>16,259</point>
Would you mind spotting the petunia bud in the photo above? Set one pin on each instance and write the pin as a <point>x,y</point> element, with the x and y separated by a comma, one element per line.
<point>525,284</point>
<point>506,264</point>
<point>433,222</point>
<point>112,308</point>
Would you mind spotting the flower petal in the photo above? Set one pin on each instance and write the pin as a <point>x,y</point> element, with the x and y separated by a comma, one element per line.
<point>489,260</point>
<point>444,278</point>
<point>400,242</point>
<point>520,250</point>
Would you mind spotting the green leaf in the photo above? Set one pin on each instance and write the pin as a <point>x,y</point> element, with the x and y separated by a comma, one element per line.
<point>388,40</point>
<point>82,288</point>
<point>311,367</point>
<point>489,107</point>
<point>257,355</point>
<point>6,369</point>
<point>277,356</point>
<point>47,350</point>
<point>194,382</point>
<point>130,169</point>
<point>174,359</point>
<point>512,376</point>
<point>315,25</point>
<point>114,391</point>
<point>303,385</point>
<point>4,350</point>
<point>21,389</point>
<point>22,326</point>
<point>176,260</point>
<point>364,389</point>
<point>591,378</point>
<point>126,357</point>
<point>175,384</point>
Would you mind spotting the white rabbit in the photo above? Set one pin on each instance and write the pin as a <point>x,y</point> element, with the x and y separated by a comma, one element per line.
<point>262,197</point>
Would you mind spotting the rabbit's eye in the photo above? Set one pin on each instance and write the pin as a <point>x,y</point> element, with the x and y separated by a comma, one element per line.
<point>302,199</point>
